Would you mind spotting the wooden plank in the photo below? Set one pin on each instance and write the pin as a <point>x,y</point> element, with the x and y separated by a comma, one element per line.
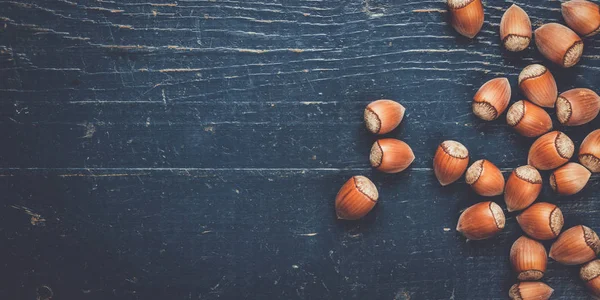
<point>155,233</point>
<point>243,135</point>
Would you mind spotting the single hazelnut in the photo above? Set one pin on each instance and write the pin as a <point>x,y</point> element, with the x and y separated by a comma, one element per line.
<point>481,221</point>
<point>450,162</point>
<point>582,16</point>
<point>538,85</point>
<point>356,198</point>
<point>530,290</point>
<point>570,179</point>
<point>528,258</point>
<point>575,246</point>
<point>515,29</point>
<point>528,119</point>
<point>577,107</point>
<point>466,16</point>
<point>485,178</point>
<point>391,155</point>
<point>491,100</point>
<point>383,116</point>
<point>559,44</point>
<point>551,151</point>
<point>522,188</point>
<point>541,221</point>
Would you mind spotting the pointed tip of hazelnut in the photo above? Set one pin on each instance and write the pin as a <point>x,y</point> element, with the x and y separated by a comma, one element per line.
<point>590,270</point>
<point>367,187</point>
<point>376,155</point>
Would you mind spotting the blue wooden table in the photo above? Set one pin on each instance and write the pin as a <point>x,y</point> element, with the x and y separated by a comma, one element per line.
<point>192,149</point>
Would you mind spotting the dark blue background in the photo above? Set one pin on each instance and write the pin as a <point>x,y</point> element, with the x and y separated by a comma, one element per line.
<point>192,149</point>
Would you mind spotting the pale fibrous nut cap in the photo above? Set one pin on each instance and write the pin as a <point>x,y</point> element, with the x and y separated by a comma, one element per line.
<point>366,186</point>
<point>466,16</point>
<point>529,174</point>
<point>492,99</point>
<point>590,270</point>
<point>559,44</point>
<point>515,29</point>
<point>582,16</point>
<point>474,172</point>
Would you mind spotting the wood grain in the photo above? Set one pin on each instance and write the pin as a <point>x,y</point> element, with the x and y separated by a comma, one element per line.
<point>192,149</point>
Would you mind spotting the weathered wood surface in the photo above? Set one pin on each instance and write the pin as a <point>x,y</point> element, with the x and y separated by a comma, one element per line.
<point>192,149</point>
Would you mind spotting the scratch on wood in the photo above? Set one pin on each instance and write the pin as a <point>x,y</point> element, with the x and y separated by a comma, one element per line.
<point>101,175</point>
<point>429,10</point>
<point>164,4</point>
<point>178,70</point>
<point>36,219</point>
<point>309,234</point>
<point>104,9</point>
<point>124,26</point>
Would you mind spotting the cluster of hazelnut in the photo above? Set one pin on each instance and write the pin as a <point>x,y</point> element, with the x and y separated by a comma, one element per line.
<point>551,151</point>
<point>359,195</point>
